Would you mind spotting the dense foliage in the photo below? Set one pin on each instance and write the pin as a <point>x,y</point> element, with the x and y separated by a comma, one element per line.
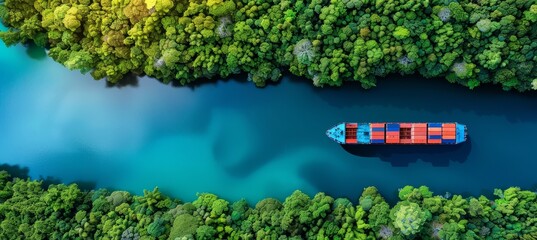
<point>467,41</point>
<point>28,211</point>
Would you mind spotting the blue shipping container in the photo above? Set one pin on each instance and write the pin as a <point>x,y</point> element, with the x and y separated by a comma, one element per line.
<point>392,125</point>
<point>435,124</point>
<point>377,140</point>
<point>435,137</point>
<point>448,141</point>
<point>378,129</point>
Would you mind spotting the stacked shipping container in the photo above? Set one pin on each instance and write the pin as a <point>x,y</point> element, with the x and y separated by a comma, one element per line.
<point>419,133</point>
<point>392,132</point>
<point>435,133</point>
<point>377,132</point>
<point>448,133</point>
<point>350,132</point>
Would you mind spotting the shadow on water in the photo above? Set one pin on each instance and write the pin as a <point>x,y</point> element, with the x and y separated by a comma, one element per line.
<point>129,80</point>
<point>434,96</point>
<point>403,155</point>
<point>35,52</point>
<point>16,171</point>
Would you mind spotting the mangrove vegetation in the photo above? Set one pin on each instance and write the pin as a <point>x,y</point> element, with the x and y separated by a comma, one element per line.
<point>467,42</point>
<point>29,210</point>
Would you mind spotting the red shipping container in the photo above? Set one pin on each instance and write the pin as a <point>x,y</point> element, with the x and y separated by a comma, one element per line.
<point>406,141</point>
<point>419,124</point>
<point>377,138</point>
<point>351,140</point>
<point>351,125</point>
<point>419,141</point>
<point>448,125</point>
<point>377,125</point>
<point>448,137</point>
<point>434,141</point>
<point>405,125</point>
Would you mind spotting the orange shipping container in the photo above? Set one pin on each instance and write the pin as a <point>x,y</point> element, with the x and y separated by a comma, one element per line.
<point>377,138</point>
<point>448,137</point>
<point>351,125</point>
<point>448,133</point>
<point>405,125</point>
<point>419,141</point>
<point>377,125</point>
<point>448,125</point>
<point>420,124</point>
<point>435,129</point>
<point>377,133</point>
<point>435,141</point>
<point>406,141</point>
<point>419,137</point>
<point>419,130</point>
<point>351,140</point>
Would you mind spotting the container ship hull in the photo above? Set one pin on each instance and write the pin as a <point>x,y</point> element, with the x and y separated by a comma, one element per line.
<point>399,133</point>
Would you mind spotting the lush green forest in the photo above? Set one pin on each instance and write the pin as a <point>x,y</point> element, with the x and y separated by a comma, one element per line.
<point>468,41</point>
<point>28,210</point>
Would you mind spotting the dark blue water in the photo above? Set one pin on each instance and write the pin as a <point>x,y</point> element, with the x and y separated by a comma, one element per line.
<point>236,140</point>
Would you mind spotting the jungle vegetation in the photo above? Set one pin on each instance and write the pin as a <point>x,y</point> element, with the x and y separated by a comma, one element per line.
<point>469,42</point>
<point>29,210</point>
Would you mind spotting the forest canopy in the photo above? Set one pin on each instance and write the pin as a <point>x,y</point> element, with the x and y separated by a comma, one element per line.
<point>31,210</point>
<point>329,42</point>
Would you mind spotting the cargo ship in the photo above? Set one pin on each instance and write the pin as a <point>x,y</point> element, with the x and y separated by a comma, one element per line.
<point>398,133</point>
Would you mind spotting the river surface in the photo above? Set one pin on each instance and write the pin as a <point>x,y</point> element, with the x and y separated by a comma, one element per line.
<point>238,141</point>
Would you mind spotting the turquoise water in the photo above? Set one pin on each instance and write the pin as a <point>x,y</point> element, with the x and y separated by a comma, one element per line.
<point>236,140</point>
